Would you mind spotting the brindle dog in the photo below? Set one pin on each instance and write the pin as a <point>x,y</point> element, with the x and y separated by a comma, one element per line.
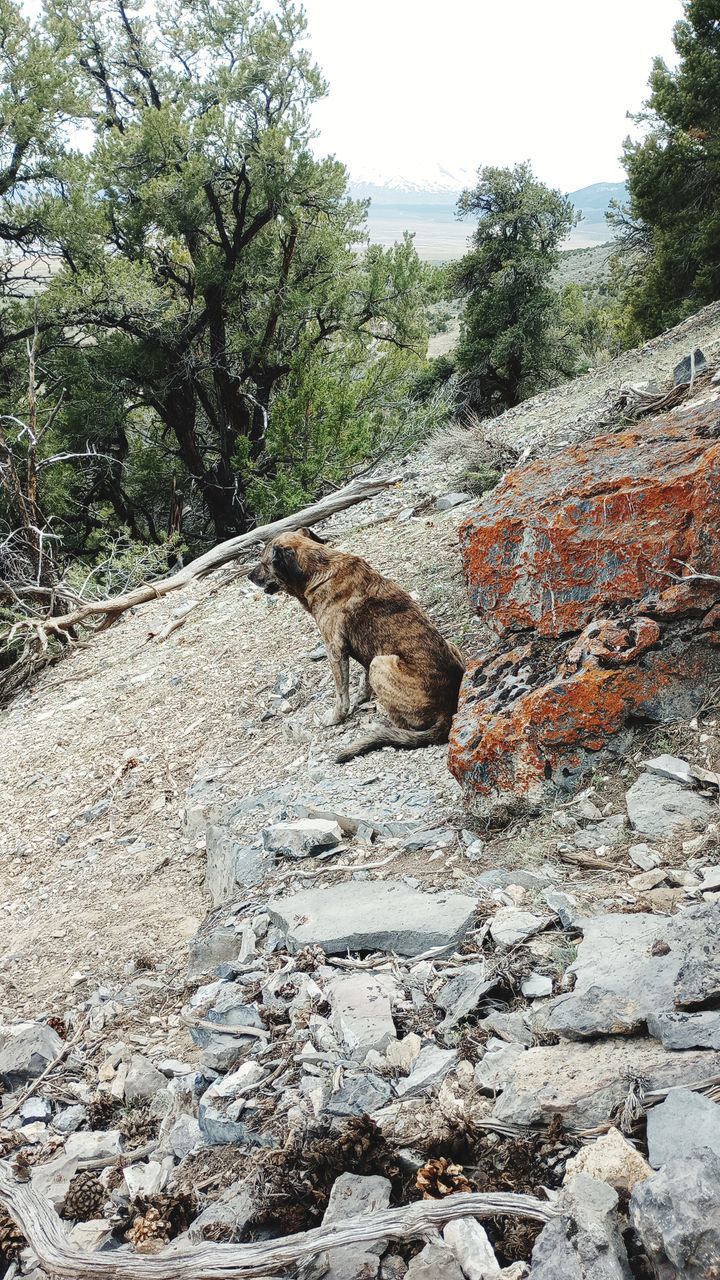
<point>410,668</point>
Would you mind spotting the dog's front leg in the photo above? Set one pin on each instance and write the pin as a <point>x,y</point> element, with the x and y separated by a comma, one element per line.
<point>365,693</point>
<point>340,667</point>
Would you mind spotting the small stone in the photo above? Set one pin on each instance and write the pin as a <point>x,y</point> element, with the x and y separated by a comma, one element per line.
<point>143,1080</point>
<point>434,1262</point>
<point>460,995</point>
<point>647,879</point>
<point>431,1067</point>
<point>536,986</point>
<point>681,1125</point>
<point>360,1096</point>
<point>450,500</point>
<point>69,1120</point>
<point>361,1012</point>
<point>689,367</point>
<point>302,838</point>
<point>34,1111</point>
<point>469,1242</point>
<point>610,1159</point>
<point>26,1049</point>
<point>644,856</point>
<point>671,767</point>
<point>352,1194</point>
<point>510,926</point>
<point>564,905</point>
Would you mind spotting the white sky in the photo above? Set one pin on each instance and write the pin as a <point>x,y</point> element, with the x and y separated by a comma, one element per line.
<point>414,83</point>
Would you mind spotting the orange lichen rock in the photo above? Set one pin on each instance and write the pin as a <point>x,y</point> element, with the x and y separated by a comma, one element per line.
<point>574,561</point>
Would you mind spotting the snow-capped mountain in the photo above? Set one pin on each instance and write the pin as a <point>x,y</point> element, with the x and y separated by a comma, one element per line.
<point>436,180</point>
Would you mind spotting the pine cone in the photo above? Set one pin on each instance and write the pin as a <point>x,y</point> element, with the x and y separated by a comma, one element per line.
<point>58,1024</point>
<point>359,1138</point>
<point>9,1142</point>
<point>138,1126</point>
<point>85,1197</point>
<point>309,958</point>
<point>439,1178</point>
<point>102,1112</point>
<point>12,1240</point>
<point>149,1227</point>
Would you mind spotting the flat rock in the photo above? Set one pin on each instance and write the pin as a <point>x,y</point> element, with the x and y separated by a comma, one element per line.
<point>231,864</point>
<point>302,838</point>
<point>671,767</point>
<point>434,1262</point>
<point>536,986</point>
<point>450,500</point>
<point>361,1012</point>
<point>143,1080</point>
<point>661,809</point>
<point>25,1051</point>
<point>220,1108</point>
<point>359,1096</point>
<point>686,1029</point>
<point>584,1085</point>
<point>351,1195</point>
<point>373,915</point>
<point>677,1216</point>
<point>690,366</point>
<point>510,926</point>
<point>430,1068</point>
<point>644,856</point>
<point>681,1125</point>
<point>632,969</point>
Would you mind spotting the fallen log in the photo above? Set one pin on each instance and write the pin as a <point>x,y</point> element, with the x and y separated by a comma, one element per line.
<point>46,1236</point>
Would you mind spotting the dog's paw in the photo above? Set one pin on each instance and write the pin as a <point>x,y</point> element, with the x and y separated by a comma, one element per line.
<point>332,718</point>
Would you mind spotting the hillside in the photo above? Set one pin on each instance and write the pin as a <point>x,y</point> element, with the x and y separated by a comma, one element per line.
<point>139,769</point>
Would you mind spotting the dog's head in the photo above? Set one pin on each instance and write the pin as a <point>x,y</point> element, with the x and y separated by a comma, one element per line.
<point>289,562</point>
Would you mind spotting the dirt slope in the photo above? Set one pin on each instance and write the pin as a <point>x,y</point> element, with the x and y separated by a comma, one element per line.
<point>95,871</point>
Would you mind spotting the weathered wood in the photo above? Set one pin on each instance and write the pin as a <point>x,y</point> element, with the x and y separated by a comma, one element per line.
<point>44,1232</point>
<point>223,553</point>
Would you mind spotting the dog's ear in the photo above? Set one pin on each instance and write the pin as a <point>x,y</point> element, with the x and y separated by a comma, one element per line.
<point>287,567</point>
<point>308,533</point>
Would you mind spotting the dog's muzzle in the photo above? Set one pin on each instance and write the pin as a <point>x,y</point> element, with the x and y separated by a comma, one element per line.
<point>261,578</point>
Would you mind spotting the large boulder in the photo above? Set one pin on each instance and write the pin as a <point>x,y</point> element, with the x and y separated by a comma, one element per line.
<point>572,562</point>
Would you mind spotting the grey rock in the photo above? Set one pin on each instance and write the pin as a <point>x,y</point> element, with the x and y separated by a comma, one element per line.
<point>684,1123</point>
<point>361,1012</point>
<point>232,864</point>
<point>234,1209</point>
<point>662,809</point>
<point>434,1262</point>
<point>184,1136</point>
<point>359,1096</point>
<point>584,1084</point>
<point>221,1107</point>
<point>93,1144</point>
<point>302,838</point>
<point>392,1267</point>
<point>220,946</point>
<point>671,767</point>
<point>222,1003</point>
<point>586,1242</point>
<point>510,1027</point>
<point>536,986</point>
<point>501,877</point>
<point>690,366</point>
<point>497,1064</point>
<point>450,500</point>
<point>143,1080</point>
<point>666,963</point>
<point>469,1242</point>
<point>373,915</point>
<point>461,995</point>
<point>430,1068</point>
<point>510,926</point>
<point>287,683</point>
<point>25,1050</point>
<point>677,1216</point>
<point>565,907</point>
<point>350,1195</point>
<point>435,838</point>
<point>686,1030</point>
<point>34,1111</point>
<point>607,833</point>
<point>644,856</point>
<point>70,1120</point>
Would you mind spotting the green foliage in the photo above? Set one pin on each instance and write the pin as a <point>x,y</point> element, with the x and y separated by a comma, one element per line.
<point>216,318</point>
<point>513,341</point>
<point>481,480</point>
<point>672,224</point>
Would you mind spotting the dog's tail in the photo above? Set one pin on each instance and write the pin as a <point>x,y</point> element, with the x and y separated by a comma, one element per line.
<point>390,736</point>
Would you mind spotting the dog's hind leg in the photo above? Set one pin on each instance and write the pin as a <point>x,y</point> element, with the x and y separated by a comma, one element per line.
<point>365,693</point>
<point>398,694</point>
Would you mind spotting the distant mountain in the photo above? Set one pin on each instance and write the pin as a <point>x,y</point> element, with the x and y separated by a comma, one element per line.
<point>425,204</point>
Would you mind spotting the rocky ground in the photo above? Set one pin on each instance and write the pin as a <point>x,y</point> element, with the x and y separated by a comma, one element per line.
<point>246,990</point>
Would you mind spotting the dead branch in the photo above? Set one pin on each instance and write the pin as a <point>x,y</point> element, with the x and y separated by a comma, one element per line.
<point>111,609</point>
<point>44,1232</point>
